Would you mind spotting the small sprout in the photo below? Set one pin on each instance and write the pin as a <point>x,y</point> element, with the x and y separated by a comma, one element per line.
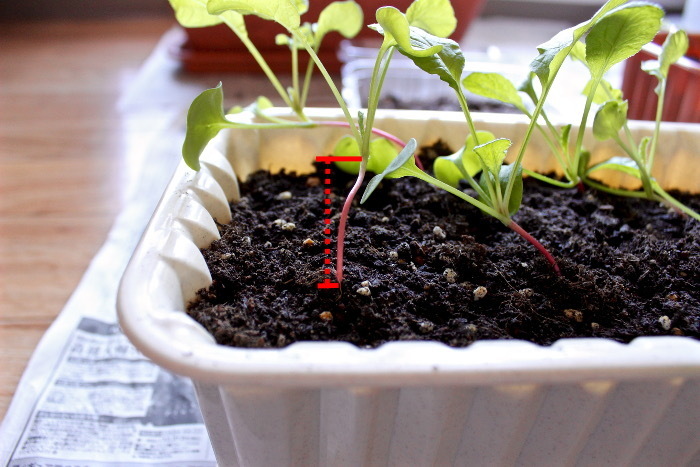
<point>326,316</point>
<point>450,275</point>
<point>439,233</point>
<point>288,226</point>
<point>479,293</point>
<point>665,323</point>
<point>576,315</point>
<point>285,195</point>
<point>308,242</point>
<point>364,291</point>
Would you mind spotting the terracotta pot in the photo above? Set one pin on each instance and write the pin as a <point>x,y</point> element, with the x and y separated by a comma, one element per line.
<point>216,49</point>
<point>682,90</point>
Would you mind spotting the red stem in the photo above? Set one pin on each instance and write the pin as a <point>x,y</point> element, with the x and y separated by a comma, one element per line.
<point>344,221</point>
<point>523,233</point>
<point>377,132</point>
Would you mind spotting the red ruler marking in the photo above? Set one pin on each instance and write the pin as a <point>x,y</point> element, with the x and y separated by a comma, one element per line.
<point>327,284</point>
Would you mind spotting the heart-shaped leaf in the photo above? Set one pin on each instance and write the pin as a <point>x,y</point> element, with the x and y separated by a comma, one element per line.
<point>397,31</point>
<point>609,120</point>
<point>285,12</point>
<point>492,154</point>
<point>194,14</point>
<point>436,17</point>
<point>345,18</point>
<point>493,86</point>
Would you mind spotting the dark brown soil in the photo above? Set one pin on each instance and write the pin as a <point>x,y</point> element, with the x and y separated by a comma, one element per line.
<point>629,268</point>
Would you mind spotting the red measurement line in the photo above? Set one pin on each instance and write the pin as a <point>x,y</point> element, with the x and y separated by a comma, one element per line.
<point>327,284</point>
<point>329,159</point>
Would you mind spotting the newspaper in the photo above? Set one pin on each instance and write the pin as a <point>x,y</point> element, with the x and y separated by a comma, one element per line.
<point>88,397</point>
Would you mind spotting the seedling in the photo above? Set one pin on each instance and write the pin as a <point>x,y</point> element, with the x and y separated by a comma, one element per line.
<point>616,32</point>
<point>500,186</point>
<point>206,117</point>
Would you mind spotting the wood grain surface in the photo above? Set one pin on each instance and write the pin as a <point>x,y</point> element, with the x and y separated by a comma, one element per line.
<point>62,165</point>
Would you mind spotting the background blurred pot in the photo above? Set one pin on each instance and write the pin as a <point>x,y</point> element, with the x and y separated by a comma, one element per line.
<point>682,90</point>
<point>217,49</point>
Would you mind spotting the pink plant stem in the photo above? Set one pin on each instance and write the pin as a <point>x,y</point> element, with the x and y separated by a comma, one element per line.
<point>377,132</point>
<point>344,221</point>
<point>523,233</point>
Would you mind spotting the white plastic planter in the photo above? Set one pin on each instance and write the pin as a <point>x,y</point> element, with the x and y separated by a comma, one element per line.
<point>577,402</point>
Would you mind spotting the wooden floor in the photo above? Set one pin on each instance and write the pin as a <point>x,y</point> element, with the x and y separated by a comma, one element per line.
<point>62,164</point>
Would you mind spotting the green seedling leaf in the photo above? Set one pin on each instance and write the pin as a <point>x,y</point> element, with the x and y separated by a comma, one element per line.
<point>447,169</point>
<point>403,164</point>
<point>564,136</point>
<point>516,194</point>
<point>609,120</point>
<point>345,18</point>
<point>447,63</point>
<point>437,17</point>
<point>194,14</point>
<point>453,168</point>
<point>603,92</point>
<point>493,86</point>
<point>285,12</point>
<point>674,47</point>
<point>397,31</point>
<point>554,51</point>
<point>205,119</point>
<point>381,153</point>
<point>492,154</point>
<point>621,34</point>
<point>578,52</point>
<point>618,163</point>
<point>644,147</point>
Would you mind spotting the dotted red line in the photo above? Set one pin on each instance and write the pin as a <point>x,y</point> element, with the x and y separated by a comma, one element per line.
<point>327,284</point>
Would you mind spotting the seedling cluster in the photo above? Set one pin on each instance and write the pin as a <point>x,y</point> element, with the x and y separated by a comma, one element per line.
<point>616,32</point>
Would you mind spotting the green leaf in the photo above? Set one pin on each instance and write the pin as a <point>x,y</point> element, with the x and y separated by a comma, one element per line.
<point>492,154</point>
<point>621,34</point>
<point>446,169</point>
<point>381,153</point>
<point>402,165</point>
<point>194,14</point>
<point>304,32</point>
<point>347,147</point>
<point>564,136</point>
<point>205,119</point>
<point>493,86</point>
<point>554,51</point>
<point>603,92</point>
<point>345,18</point>
<point>674,47</point>
<point>437,17</point>
<point>578,52</point>
<point>528,88</point>
<point>451,169</point>
<point>447,63</point>
<point>396,29</point>
<point>609,120</point>
<point>619,164</point>
<point>644,147</point>
<point>516,194</point>
<point>285,12</point>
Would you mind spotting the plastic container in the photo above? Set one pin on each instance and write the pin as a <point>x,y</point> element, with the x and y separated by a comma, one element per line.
<point>580,401</point>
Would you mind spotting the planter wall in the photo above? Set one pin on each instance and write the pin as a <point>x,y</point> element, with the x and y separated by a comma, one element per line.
<point>217,49</point>
<point>579,401</point>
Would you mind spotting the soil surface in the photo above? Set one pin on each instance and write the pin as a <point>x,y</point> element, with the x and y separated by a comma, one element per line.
<point>423,265</point>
